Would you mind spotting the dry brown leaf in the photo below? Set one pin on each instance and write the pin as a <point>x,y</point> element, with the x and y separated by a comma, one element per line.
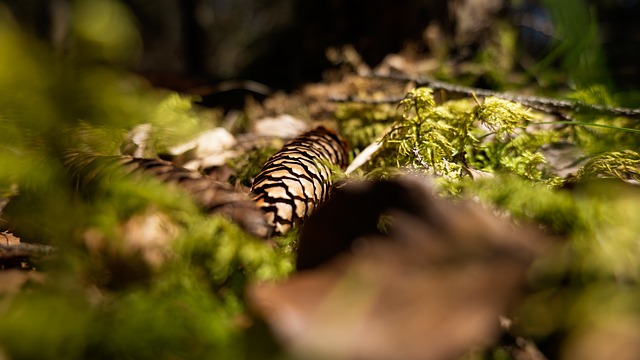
<point>211,148</point>
<point>7,238</point>
<point>434,287</point>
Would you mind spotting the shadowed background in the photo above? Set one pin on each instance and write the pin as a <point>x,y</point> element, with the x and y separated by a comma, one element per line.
<point>283,43</point>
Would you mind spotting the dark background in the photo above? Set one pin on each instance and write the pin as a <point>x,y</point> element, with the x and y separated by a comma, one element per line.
<point>282,43</point>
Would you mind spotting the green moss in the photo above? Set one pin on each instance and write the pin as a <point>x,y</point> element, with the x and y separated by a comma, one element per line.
<point>623,165</point>
<point>248,164</point>
<point>363,124</point>
<point>451,138</point>
<point>555,209</point>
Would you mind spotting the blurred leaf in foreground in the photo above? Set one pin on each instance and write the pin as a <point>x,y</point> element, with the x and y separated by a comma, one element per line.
<point>430,287</point>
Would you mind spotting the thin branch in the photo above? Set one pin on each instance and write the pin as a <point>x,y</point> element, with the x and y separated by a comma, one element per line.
<point>353,99</point>
<point>587,124</point>
<point>25,250</point>
<point>547,105</point>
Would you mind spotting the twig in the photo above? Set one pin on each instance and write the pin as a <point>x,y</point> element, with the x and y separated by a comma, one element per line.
<point>25,250</point>
<point>547,105</point>
<point>352,99</point>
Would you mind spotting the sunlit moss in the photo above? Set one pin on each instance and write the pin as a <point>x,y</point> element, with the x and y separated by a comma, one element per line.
<point>174,120</point>
<point>219,248</point>
<point>623,165</point>
<point>362,124</point>
<point>555,209</point>
<point>451,138</point>
<point>248,164</point>
<point>610,245</point>
<point>590,279</point>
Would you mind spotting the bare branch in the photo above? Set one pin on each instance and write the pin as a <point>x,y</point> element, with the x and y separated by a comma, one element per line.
<point>548,105</point>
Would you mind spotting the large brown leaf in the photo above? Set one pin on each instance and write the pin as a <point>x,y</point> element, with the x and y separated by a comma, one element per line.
<point>433,287</point>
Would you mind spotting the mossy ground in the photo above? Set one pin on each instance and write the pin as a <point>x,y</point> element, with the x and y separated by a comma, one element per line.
<point>191,306</point>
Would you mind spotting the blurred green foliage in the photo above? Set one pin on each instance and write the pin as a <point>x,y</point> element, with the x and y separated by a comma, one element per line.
<point>110,304</point>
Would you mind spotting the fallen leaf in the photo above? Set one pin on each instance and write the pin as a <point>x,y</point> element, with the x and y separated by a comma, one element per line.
<point>433,286</point>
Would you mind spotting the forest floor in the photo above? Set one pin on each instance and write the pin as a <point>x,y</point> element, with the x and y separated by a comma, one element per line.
<point>469,225</point>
